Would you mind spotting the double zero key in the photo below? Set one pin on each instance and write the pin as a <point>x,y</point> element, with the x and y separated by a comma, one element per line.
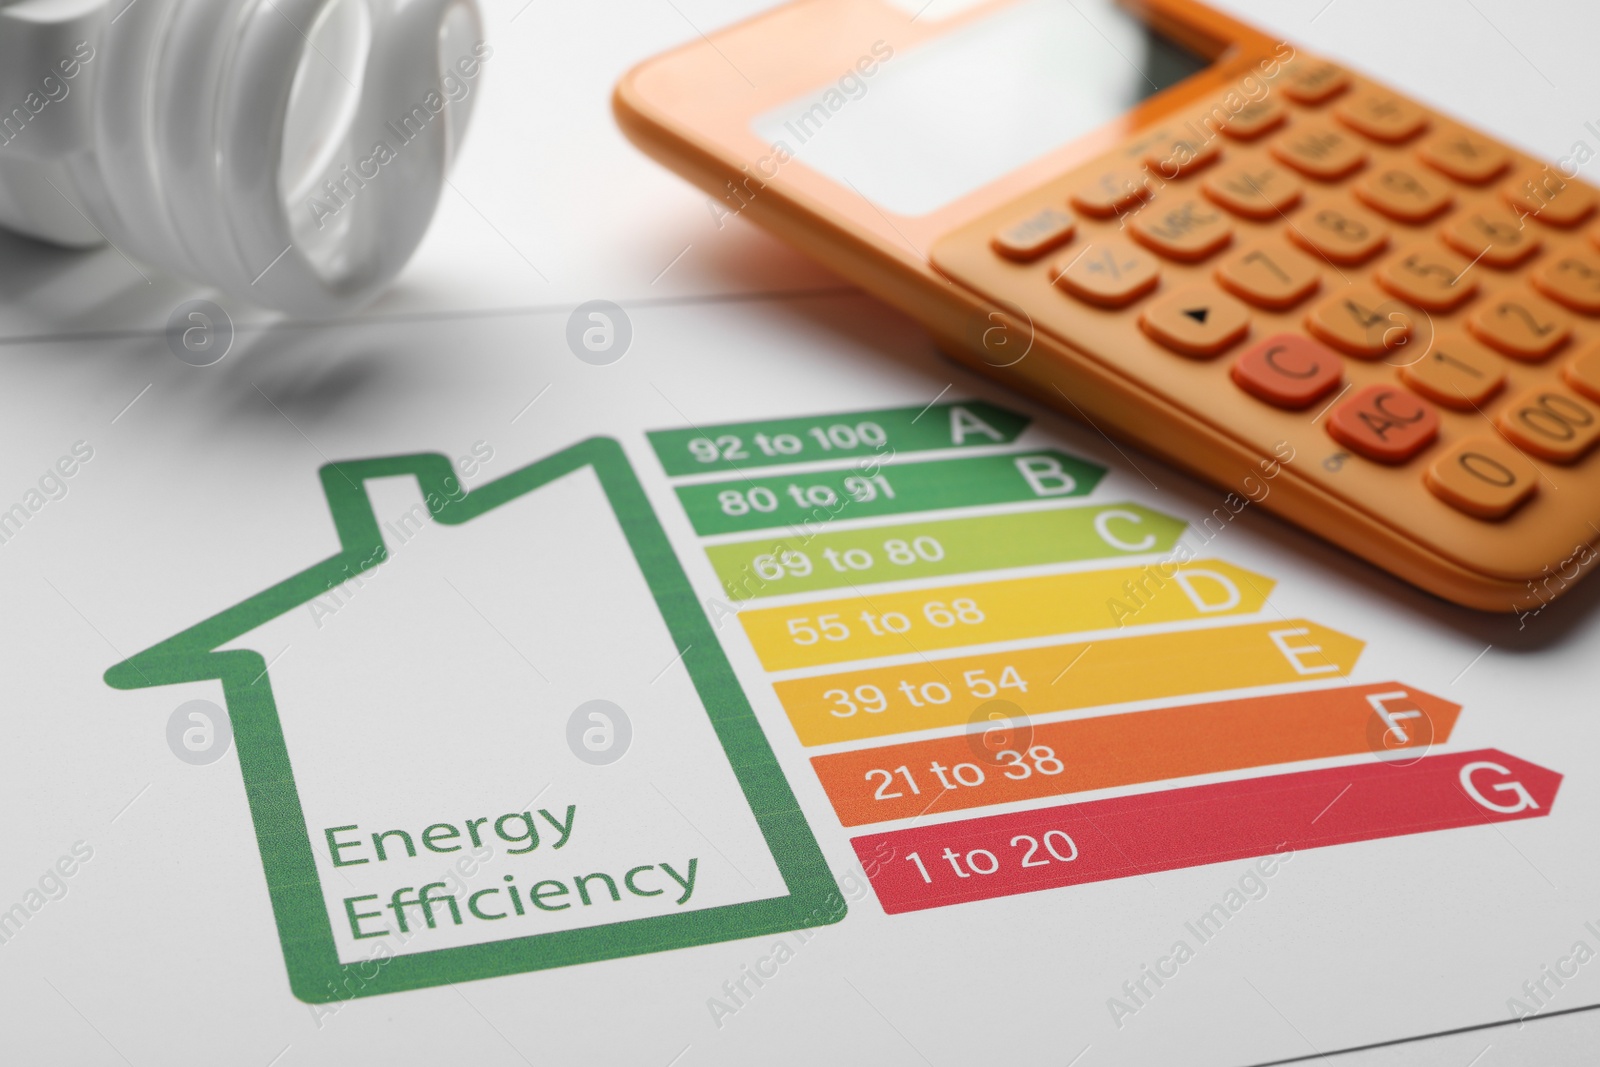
<point>1552,424</point>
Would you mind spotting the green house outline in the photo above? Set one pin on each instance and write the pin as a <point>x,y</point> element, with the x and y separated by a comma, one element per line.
<point>315,973</point>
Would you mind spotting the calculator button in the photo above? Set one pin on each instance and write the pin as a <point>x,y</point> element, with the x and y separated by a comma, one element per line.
<point>1492,237</point>
<point>1256,118</point>
<point>1197,321</point>
<point>1464,156</point>
<point>1547,196</point>
<point>1404,194</point>
<point>1269,274</point>
<point>1360,321</point>
<point>1484,477</point>
<point>1320,150</point>
<point>1520,325</point>
<point>1583,373</point>
<point>1456,372</point>
<point>1385,423</point>
<point>1111,273</point>
<point>1288,371</point>
<point>1173,157</point>
<point>1382,116</point>
<point>1313,81</point>
<point>1429,276</point>
<point>1254,190</point>
<point>1339,231</point>
<point>1110,193</point>
<point>1571,278</point>
<point>1552,424</point>
<point>1185,228</point>
<point>1029,238</point>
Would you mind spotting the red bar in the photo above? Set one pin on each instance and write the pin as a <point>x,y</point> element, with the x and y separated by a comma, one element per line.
<point>1072,844</point>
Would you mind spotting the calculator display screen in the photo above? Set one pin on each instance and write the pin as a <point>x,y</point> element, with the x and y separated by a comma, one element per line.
<point>913,130</point>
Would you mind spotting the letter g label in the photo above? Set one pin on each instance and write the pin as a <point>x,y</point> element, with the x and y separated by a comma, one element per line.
<point>1524,800</point>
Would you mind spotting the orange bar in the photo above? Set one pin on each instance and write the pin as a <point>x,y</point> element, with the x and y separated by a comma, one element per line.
<point>1009,759</point>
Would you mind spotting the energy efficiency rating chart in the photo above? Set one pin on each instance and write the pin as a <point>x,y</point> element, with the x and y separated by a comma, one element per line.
<point>944,692</point>
<point>875,435</point>
<point>740,504</point>
<point>946,773</point>
<point>933,548</point>
<point>986,597</point>
<point>862,627</point>
<point>951,863</point>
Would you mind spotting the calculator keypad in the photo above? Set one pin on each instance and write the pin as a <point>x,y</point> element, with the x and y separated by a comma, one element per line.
<point>1492,236</point>
<point>1270,274</point>
<point>1173,157</point>
<point>1199,321</point>
<point>1288,371</point>
<point>1382,116</point>
<point>1255,119</point>
<point>1361,321</point>
<point>1463,155</point>
<point>1551,423</point>
<point>1338,230</point>
<point>1320,150</point>
<point>1571,278</point>
<point>1405,194</point>
<point>1520,325</point>
<point>1413,305</point>
<point>1583,372</point>
<point>1484,477</point>
<point>1111,273</point>
<point>1544,195</point>
<point>1457,372</point>
<point>1031,237</point>
<point>1312,82</point>
<point>1106,194</point>
<point>1384,423</point>
<point>1185,228</point>
<point>1259,191</point>
<point>1428,275</point>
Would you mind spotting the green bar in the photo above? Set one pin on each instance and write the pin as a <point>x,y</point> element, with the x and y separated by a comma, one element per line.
<point>878,434</point>
<point>774,566</point>
<point>806,500</point>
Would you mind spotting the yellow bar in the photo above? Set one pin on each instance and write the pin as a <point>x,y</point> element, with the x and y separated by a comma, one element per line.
<point>1036,681</point>
<point>955,616</point>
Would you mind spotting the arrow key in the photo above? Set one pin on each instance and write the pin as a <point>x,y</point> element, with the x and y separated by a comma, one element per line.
<point>1199,321</point>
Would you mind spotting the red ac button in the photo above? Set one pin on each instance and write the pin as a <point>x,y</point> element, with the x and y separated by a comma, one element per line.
<point>1385,423</point>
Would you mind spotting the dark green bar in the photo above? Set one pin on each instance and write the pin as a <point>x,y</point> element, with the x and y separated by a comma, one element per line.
<point>868,489</point>
<point>875,434</point>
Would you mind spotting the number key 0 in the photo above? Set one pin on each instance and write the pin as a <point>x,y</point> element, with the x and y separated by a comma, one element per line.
<point>1483,477</point>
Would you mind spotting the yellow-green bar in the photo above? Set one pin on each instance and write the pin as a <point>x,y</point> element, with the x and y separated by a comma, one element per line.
<point>934,547</point>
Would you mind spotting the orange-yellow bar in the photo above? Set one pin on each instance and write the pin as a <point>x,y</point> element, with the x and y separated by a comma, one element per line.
<point>892,624</point>
<point>1036,681</point>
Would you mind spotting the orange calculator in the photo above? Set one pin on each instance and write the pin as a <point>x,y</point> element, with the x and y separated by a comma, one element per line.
<point>1246,259</point>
